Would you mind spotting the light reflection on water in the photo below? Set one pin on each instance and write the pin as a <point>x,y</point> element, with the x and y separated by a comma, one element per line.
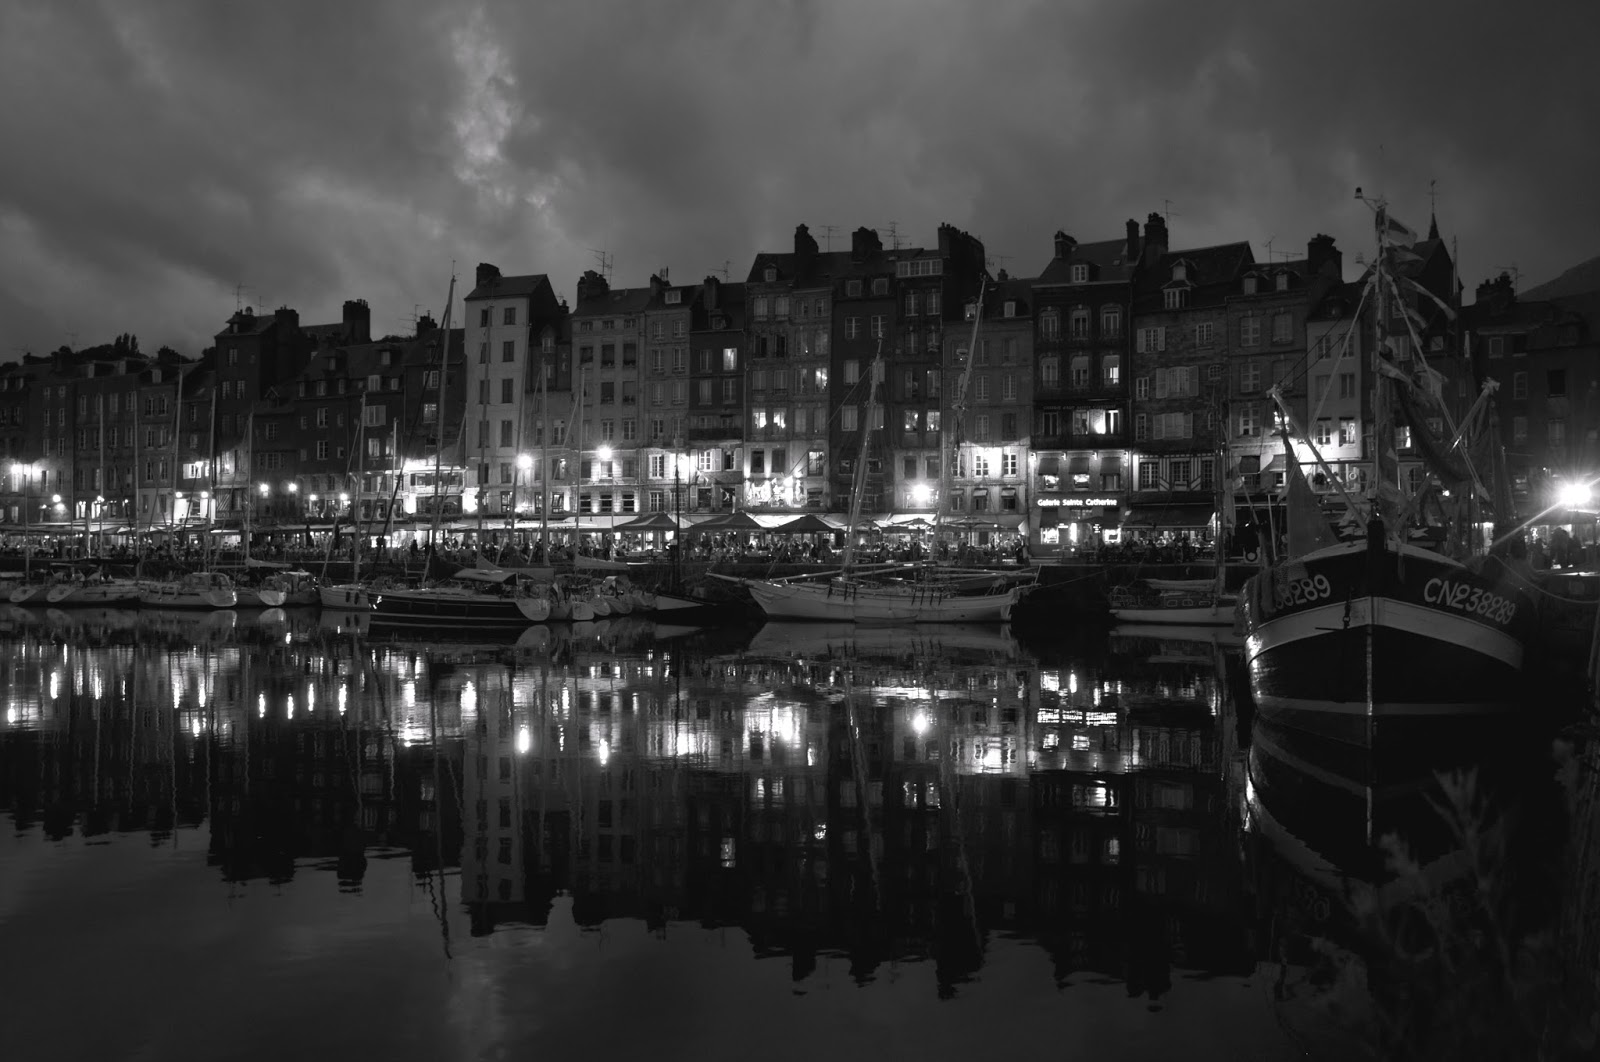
<point>500,841</point>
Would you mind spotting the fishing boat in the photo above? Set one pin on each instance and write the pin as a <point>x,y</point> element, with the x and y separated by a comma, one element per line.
<point>1186,602</point>
<point>899,593</point>
<point>1347,638</point>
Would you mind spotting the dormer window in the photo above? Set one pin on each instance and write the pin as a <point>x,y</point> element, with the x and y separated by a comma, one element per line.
<point>1180,271</point>
<point>1283,282</point>
<point>1011,308</point>
<point>1175,298</point>
<point>852,288</point>
<point>880,286</point>
<point>1080,273</point>
<point>771,275</point>
<point>674,297</point>
<point>1250,284</point>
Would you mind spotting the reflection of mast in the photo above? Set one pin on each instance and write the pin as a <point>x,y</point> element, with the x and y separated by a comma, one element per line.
<point>437,891</point>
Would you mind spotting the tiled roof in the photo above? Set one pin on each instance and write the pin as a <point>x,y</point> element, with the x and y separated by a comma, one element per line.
<point>1207,266</point>
<point>510,287</point>
<point>1109,256</point>
<point>615,301</point>
<point>820,268</point>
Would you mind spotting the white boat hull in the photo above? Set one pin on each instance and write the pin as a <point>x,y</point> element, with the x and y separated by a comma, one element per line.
<point>862,604</point>
<point>177,597</point>
<point>92,595</point>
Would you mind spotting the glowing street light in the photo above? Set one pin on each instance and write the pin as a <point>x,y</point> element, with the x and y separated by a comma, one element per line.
<point>921,494</point>
<point>604,453</point>
<point>524,461</point>
<point>1575,495</point>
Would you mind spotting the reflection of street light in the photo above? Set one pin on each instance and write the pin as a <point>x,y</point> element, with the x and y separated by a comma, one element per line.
<point>264,489</point>
<point>604,453</point>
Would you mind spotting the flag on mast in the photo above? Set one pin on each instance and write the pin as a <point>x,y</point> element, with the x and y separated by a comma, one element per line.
<point>1395,232</point>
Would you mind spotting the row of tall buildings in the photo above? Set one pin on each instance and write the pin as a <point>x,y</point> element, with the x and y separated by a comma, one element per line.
<point>1123,386</point>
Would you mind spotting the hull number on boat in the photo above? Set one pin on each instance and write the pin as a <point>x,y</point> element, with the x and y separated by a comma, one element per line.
<point>1472,599</point>
<point>1300,591</point>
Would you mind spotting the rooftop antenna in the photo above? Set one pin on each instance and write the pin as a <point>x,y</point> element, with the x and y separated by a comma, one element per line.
<point>1169,213</point>
<point>238,297</point>
<point>1516,275</point>
<point>894,235</point>
<point>727,264</point>
<point>1433,196</point>
<point>604,260</point>
<point>827,235</point>
<point>997,262</point>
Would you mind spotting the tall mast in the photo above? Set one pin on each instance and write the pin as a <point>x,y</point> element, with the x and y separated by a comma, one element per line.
<point>483,443</point>
<point>211,480</point>
<point>438,453</point>
<point>249,484</point>
<point>356,529</point>
<point>1382,418</point>
<point>958,413</point>
<point>138,452</point>
<point>177,431</point>
<point>544,464</point>
<point>859,485</point>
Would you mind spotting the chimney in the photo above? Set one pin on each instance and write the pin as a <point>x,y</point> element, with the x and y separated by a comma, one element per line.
<point>1130,253</point>
<point>657,286</point>
<point>426,324</point>
<point>592,286</point>
<point>1498,294</point>
<point>711,287</point>
<point>1065,245</point>
<point>805,245</point>
<point>864,244</point>
<point>487,274</point>
<point>287,318</point>
<point>357,321</point>
<point>1155,237</point>
<point>1323,258</point>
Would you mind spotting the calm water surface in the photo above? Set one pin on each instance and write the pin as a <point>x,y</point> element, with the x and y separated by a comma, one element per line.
<point>263,837</point>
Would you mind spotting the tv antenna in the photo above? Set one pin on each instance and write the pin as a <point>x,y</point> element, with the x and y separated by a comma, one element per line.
<point>727,264</point>
<point>894,235</point>
<point>604,260</point>
<point>827,235</point>
<point>997,261</point>
<point>238,297</point>
<point>1516,276</point>
<point>1169,214</point>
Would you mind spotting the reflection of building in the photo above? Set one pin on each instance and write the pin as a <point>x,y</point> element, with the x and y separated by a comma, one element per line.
<point>874,795</point>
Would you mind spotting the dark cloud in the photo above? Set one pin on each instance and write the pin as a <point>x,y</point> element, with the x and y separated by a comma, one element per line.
<point>160,153</point>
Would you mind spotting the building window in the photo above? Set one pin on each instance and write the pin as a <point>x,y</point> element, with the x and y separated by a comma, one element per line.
<point>1151,340</point>
<point>1249,422</point>
<point>1282,327</point>
<point>1519,385</point>
<point>1149,475</point>
<point>1347,385</point>
<point>1141,387</point>
<point>1324,432</point>
<point>1555,383</point>
<point>1080,273</point>
<point>509,316</point>
<point>1110,370</point>
<point>508,350</point>
<point>1204,334</point>
<point>1050,325</point>
<point>1110,322</point>
<point>1174,298</point>
<point>1347,431</point>
<point>1050,371</point>
<point>1249,331</point>
<point>1079,323</point>
<point>1249,378</point>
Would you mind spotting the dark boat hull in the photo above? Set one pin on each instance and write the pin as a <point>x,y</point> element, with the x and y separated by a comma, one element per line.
<point>422,608</point>
<point>1362,637</point>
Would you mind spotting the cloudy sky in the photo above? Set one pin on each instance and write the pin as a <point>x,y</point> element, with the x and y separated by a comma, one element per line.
<point>161,153</point>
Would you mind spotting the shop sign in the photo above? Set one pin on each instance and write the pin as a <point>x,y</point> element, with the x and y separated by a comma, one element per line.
<point>1077,503</point>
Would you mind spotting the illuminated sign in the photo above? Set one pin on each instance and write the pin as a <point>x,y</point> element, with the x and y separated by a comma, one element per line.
<point>1077,503</point>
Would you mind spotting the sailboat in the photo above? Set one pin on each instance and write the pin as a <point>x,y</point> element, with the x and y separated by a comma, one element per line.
<point>473,597</point>
<point>1348,639</point>
<point>893,593</point>
<point>354,595</point>
<point>204,589</point>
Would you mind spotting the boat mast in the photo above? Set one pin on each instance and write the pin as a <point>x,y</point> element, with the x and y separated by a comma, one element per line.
<point>249,486</point>
<point>211,481</point>
<point>438,453</point>
<point>356,523</point>
<point>177,431</point>
<point>1382,416</point>
<point>859,485</point>
<point>958,414</point>
<point>544,465</point>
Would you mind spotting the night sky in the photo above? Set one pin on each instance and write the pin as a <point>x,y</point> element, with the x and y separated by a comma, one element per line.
<point>159,154</point>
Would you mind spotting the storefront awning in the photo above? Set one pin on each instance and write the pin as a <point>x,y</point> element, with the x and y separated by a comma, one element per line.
<point>1078,464</point>
<point>1050,465</point>
<point>1177,515</point>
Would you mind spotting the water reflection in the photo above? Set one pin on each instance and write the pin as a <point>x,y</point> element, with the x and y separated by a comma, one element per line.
<point>876,795</point>
<point>844,798</point>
